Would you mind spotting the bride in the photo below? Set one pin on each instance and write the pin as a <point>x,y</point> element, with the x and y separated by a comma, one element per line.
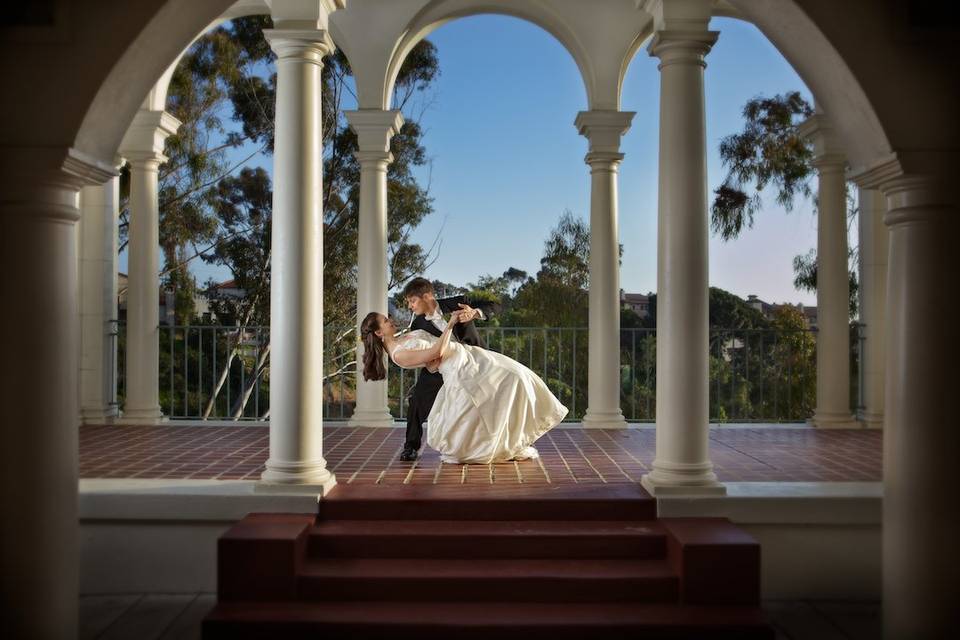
<point>490,408</point>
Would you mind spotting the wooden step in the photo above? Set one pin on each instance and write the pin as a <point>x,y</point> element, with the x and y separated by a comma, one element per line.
<point>336,620</point>
<point>488,502</point>
<point>515,580</point>
<point>487,539</point>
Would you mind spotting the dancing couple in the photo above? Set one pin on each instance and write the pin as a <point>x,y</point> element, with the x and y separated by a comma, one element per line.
<point>479,406</point>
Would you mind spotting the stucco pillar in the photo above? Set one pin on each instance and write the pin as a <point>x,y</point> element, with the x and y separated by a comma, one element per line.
<point>873,297</point>
<point>374,129</point>
<point>833,285</point>
<point>142,146</point>
<point>682,464</point>
<point>603,129</point>
<point>296,294</point>
<point>920,436</point>
<point>38,388</point>
<point>98,300</point>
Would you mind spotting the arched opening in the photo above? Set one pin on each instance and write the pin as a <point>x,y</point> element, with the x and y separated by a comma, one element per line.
<point>506,163</point>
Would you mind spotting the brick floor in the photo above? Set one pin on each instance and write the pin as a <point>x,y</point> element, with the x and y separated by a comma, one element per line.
<point>568,455</point>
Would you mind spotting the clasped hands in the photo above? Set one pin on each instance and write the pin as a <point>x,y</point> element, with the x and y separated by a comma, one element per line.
<point>465,313</point>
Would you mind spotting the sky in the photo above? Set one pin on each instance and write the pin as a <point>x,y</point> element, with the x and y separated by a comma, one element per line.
<point>506,160</point>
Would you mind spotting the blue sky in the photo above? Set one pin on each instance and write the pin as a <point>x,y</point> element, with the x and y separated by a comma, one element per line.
<point>507,160</point>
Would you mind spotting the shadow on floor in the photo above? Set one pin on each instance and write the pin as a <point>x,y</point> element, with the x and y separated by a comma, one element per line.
<point>178,616</point>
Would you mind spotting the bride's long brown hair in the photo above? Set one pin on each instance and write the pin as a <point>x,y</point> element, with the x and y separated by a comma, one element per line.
<point>373,365</point>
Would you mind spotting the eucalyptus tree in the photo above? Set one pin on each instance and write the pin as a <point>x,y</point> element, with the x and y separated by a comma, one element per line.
<point>770,152</point>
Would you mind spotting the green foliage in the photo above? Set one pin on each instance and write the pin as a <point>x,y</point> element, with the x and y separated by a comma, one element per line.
<point>805,277</point>
<point>244,207</point>
<point>235,63</point>
<point>793,362</point>
<point>407,200</point>
<point>206,76</point>
<point>558,296</point>
<point>728,311</point>
<point>769,151</point>
<point>211,210</point>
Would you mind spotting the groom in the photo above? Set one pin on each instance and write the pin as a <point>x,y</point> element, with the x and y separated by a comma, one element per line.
<point>428,315</point>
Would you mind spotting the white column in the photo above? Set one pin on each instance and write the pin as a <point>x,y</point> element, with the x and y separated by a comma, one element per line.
<point>374,129</point>
<point>98,301</point>
<point>833,284</point>
<point>603,129</point>
<point>873,296</point>
<point>38,388</point>
<point>296,294</point>
<point>920,436</point>
<point>682,463</point>
<point>143,147</point>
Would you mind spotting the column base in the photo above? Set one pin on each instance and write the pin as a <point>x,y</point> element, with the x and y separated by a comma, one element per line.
<point>679,479</point>
<point>604,420</point>
<point>141,416</point>
<point>273,488</point>
<point>371,419</point>
<point>286,475</point>
<point>99,415</point>
<point>823,420</point>
<point>871,420</point>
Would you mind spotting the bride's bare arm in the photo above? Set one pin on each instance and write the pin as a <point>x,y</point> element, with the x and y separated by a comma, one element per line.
<point>410,358</point>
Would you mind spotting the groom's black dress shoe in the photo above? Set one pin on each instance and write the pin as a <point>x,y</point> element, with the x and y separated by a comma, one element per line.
<point>408,454</point>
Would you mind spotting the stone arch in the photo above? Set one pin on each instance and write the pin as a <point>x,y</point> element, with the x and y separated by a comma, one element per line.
<point>835,87</point>
<point>825,72</point>
<point>440,12</point>
<point>157,46</point>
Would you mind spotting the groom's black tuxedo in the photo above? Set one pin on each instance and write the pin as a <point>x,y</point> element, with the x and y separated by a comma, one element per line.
<point>424,392</point>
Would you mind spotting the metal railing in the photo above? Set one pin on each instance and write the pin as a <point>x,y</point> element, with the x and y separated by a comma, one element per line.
<point>756,375</point>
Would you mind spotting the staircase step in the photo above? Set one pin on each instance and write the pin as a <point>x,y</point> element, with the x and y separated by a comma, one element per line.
<point>460,579</point>
<point>718,562</point>
<point>488,502</point>
<point>337,620</point>
<point>487,539</point>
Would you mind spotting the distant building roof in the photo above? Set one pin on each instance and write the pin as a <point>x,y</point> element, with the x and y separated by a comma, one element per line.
<point>634,298</point>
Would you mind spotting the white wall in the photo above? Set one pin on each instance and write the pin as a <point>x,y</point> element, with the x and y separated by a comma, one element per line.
<point>819,540</point>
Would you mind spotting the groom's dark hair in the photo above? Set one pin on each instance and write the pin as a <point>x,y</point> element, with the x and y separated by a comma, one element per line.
<point>417,287</point>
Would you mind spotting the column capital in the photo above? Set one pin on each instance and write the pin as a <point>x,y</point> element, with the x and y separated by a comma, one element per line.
<point>374,128</point>
<point>603,160</point>
<point>827,153</point>
<point>913,198</point>
<point>683,15</point>
<point>48,175</point>
<point>829,163</point>
<point>61,165</point>
<point>872,176</point>
<point>603,129</point>
<point>144,139</point>
<point>373,158</point>
<point>679,47</point>
<point>313,14</point>
<point>309,45</point>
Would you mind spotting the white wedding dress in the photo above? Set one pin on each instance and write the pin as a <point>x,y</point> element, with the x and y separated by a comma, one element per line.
<point>490,408</point>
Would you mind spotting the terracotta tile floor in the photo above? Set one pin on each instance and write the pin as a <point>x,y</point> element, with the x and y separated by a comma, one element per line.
<point>568,455</point>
